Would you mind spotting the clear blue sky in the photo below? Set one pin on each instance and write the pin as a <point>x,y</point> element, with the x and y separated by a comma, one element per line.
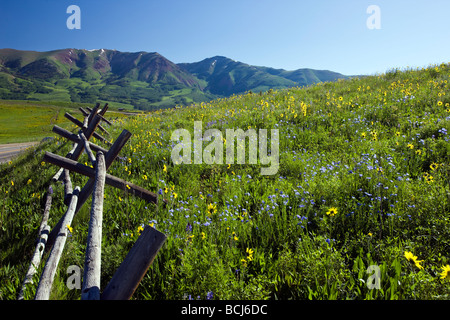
<point>288,34</point>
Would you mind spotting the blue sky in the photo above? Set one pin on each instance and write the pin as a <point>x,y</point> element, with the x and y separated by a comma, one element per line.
<point>287,34</point>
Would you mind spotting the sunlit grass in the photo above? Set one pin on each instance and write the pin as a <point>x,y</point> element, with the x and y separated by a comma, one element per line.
<point>363,178</point>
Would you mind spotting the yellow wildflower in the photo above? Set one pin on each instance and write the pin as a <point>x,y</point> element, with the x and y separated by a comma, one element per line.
<point>332,212</point>
<point>212,208</point>
<point>434,166</point>
<point>428,178</point>
<point>250,254</point>
<point>413,259</point>
<point>445,274</point>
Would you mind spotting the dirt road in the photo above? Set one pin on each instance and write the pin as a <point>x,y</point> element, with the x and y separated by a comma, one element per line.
<point>10,150</point>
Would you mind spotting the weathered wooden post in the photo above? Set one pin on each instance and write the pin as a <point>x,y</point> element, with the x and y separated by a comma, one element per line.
<point>48,275</point>
<point>84,125</point>
<point>44,230</point>
<point>130,273</point>
<point>58,175</point>
<point>92,264</point>
<point>75,153</point>
<point>86,191</point>
<point>110,156</point>
<point>87,148</point>
<point>139,259</point>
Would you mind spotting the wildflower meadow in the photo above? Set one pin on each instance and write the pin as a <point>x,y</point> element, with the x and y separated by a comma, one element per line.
<point>359,207</point>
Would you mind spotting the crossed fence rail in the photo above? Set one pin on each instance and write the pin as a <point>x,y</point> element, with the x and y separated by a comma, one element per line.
<point>133,268</point>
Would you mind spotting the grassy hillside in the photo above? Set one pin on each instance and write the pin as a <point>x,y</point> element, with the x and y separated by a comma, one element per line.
<point>141,80</point>
<point>363,180</point>
<point>26,121</point>
<point>226,77</point>
<point>145,81</point>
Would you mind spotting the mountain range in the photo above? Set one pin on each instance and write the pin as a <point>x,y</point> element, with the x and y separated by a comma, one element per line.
<point>141,80</point>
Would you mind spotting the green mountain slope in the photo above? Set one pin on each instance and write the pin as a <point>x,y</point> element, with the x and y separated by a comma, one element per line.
<point>225,76</point>
<point>140,79</point>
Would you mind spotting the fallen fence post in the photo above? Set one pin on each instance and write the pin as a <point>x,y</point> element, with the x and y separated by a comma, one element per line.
<point>44,230</point>
<point>48,275</point>
<point>92,265</point>
<point>135,265</point>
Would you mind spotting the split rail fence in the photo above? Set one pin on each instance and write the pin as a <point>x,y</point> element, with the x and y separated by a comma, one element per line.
<point>131,271</point>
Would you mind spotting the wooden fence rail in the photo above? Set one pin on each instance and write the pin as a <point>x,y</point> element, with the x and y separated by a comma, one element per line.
<point>92,264</point>
<point>48,275</point>
<point>44,230</point>
<point>126,279</point>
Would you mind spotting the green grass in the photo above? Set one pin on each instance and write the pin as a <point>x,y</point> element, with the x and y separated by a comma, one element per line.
<point>372,150</point>
<point>27,121</point>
